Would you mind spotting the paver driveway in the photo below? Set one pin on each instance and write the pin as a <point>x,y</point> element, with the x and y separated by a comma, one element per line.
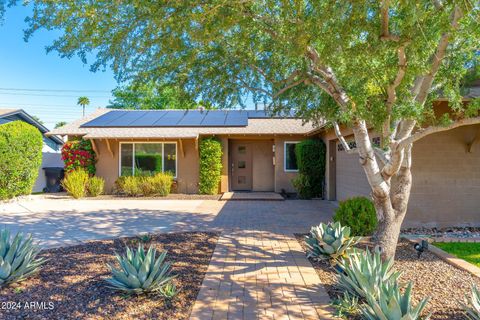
<point>258,269</point>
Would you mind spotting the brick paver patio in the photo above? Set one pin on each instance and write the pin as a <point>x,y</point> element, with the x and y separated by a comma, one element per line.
<point>258,269</point>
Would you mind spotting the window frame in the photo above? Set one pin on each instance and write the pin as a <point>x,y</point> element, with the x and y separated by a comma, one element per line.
<point>133,143</point>
<point>285,156</point>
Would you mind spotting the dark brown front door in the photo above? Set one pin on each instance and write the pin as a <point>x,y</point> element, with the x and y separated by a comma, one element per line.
<point>241,166</point>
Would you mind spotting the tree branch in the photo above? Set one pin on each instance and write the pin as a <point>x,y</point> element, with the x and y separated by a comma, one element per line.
<point>422,133</point>
<point>340,137</point>
<point>392,88</point>
<point>437,58</point>
<point>385,18</point>
<point>288,86</point>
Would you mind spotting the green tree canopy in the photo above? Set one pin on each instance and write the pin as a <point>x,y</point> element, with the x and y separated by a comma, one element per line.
<point>60,124</point>
<point>150,95</point>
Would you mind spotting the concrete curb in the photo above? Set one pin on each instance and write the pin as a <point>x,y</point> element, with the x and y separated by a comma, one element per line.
<point>449,258</point>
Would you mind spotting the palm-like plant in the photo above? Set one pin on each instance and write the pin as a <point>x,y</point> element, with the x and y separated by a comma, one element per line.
<point>18,257</point>
<point>83,101</point>
<point>141,272</point>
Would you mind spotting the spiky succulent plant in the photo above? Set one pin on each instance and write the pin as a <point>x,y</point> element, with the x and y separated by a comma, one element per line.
<point>18,257</point>
<point>391,304</point>
<point>140,272</point>
<point>346,306</point>
<point>364,273</point>
<point>330,241</point>
<point>472,305</point>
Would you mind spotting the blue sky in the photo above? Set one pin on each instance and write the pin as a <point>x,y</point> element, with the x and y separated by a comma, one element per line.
<point>26,65</point>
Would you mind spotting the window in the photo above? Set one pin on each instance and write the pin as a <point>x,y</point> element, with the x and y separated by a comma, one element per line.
<point>290,157</point>
<point>148,158</point>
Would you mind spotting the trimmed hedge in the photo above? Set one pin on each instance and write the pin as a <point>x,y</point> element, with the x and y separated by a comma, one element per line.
<point>210,165</point>
<point>159,184</point>
<point>20,158</point>
<point>311,157</point>
<point>359,214</point>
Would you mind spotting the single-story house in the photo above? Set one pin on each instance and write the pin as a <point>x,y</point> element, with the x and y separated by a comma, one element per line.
<point>52,144</point>
<point>259,156</point>
<point>258,149</point>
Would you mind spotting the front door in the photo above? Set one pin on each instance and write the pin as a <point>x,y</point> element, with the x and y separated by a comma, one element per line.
<point>241,166</point>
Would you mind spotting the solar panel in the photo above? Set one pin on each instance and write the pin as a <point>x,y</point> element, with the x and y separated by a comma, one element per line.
<point>126,119</point>
<point>104,119</point>
<point>236,118</point>
<point>148,119</point>
<point>170,119</point>
<point>192,119</point>
<point>214,119</point>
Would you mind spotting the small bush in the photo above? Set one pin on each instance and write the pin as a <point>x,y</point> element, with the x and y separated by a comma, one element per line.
<point>75,183</point>
<point>158,184</point>
<point>359,214</point>
<point>311,156</point>
<point>95,186</point>
<point>210,165</point>
<point>79,154</point>
<point>20,158</point>
<point>162,183</point>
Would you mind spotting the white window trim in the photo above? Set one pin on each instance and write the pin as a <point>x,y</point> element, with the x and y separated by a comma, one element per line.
<point>145,142</point>
<point>285,155</point>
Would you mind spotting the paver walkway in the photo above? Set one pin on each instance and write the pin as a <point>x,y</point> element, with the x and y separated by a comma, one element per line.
<point>260,275</point>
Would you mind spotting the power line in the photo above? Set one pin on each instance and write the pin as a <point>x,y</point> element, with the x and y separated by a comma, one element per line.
<point>48,95</point>
<point>52,90</point>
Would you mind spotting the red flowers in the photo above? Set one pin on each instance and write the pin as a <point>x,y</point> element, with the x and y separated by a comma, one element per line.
<point>79,154</point>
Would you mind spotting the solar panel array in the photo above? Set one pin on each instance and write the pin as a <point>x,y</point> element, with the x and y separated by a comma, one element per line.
<point>176,118</point>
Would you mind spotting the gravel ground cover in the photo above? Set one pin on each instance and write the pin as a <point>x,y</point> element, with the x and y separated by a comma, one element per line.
<point>453,232</point>
<point>431,276</point>
<point>70,284</point>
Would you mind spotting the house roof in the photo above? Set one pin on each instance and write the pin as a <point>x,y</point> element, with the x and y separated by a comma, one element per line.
<point>257,124</point>
<point>8,115</point>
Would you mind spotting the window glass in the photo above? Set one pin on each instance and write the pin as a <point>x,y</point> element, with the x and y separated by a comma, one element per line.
<point>170,157</point>
<point>126,159</point>
<point>241,164</point>
<point>148,158</point>
<point>242,149</point>
<point>290,157</point>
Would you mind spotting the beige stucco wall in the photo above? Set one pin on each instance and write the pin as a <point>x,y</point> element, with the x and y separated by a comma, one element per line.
<point>187,164</point>
<point>446,179</point>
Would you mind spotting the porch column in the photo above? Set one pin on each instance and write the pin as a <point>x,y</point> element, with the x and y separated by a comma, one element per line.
<point>224,177</point>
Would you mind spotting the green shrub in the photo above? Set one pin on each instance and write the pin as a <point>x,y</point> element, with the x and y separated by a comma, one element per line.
<point>20,158</point>
<point>158,184</point>
<point>472,304</point>
<point>79,154</point>
<point>162,183</point>
<point>210,165</point>
<point>311,156</point>
<point>359,214</point>
<point>95,186</point>
<point>18,257</point>
<point>75,183</point>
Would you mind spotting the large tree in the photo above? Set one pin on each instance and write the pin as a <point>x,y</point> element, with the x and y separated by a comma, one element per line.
<point>150,95</point>
<point>368,66</point>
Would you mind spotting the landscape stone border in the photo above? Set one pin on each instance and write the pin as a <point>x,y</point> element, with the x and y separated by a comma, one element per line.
<point>447,257</point>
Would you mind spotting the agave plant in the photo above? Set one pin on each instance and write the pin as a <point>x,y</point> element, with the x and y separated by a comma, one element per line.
<point>346,306</point>
<point>140,272</point>
<point>330,241</point>
<point>391,304</point>
<point>365,272</point>
<point>472,305</point>
<point>18,257</point>
<point>169,290</point>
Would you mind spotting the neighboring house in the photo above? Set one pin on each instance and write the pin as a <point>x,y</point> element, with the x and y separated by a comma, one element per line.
<point>52,145</point>
<point>258,149</point>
